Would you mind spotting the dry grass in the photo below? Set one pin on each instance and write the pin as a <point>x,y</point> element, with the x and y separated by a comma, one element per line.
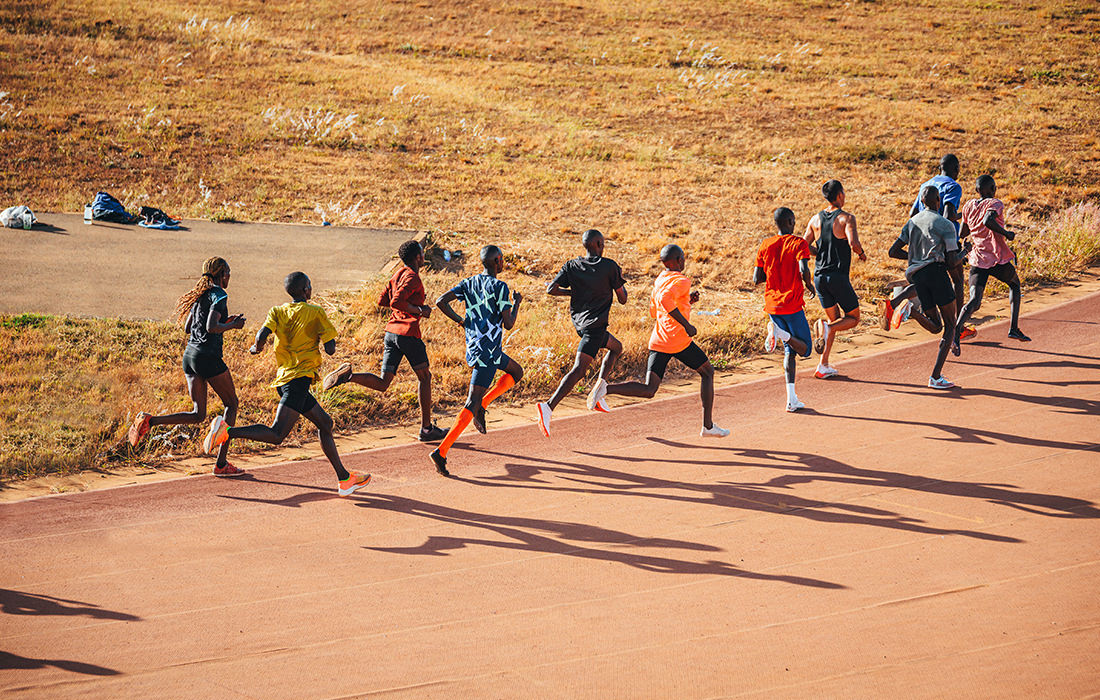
<point>523,124</point>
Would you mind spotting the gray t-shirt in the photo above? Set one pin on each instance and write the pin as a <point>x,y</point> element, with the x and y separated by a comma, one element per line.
<point>929,237</point>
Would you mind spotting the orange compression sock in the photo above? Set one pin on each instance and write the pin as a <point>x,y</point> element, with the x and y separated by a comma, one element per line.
<point>463,420</point>
<point>505,383</point>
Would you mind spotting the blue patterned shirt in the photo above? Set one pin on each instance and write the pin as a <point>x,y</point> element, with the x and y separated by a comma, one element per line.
<point>485,298</point>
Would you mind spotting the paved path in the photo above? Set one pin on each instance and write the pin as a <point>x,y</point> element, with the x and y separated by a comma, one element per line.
<point>893,542</point>
<point>117,271</point>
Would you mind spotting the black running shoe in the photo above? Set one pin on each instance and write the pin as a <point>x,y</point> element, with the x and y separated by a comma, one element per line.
<point>432,433</point>
<point>479,419</point>
<point>1017,334</point>
<point>440,463</point>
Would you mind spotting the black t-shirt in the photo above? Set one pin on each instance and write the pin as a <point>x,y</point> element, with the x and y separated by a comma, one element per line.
<point>592,282</point>
<point>202,341</point>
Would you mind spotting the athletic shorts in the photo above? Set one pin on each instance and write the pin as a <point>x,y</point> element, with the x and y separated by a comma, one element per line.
<point>934,287</point>
<point>692,356</point>
<point>1005,272</point>
<point>198,364</point>
<point>395,347</point>
<point>797,325</point>
<point>836,289</point>
<point>295,395</point>
<point>592,341</point>
<point>483,376</point>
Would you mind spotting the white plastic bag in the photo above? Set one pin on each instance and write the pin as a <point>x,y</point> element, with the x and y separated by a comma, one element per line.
<point>18,217</point>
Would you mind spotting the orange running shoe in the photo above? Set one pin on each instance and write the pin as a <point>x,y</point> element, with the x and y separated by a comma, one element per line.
<point>217,434</point>
<point>602,406</point>
<point>353,483</point>
<point>901,314</point>
<point>229,471</point>
<point>968,332</point>
<point>139,429</point>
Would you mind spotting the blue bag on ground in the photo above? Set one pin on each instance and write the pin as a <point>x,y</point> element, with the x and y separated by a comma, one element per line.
<point>107,208</point>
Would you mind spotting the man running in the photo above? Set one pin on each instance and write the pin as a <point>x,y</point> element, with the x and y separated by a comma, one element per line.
<point>895,310</point>
<point>404,295</point>
<point>983,219</point>
<point>834,230</point>
<point>488,312</point>
<point>300,329</point>
<point>591,283</point>
<point>782,265</point>
<point>932,250</point>
<point>670,306</point>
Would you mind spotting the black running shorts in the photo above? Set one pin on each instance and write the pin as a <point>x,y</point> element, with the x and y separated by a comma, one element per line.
<point>1005,272</point>
<point>199,364</point>
<point>836,289</point>
<point>295,395</point>
<point>934,288</point>
<point>592,341</point>
<point>692,356</point>
<point>395,347</point>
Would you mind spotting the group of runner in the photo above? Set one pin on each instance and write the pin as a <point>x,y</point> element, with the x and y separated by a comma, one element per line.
<point>931,242</point>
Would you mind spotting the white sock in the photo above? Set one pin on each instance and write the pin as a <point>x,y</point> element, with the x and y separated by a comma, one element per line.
<point>791,398</point>
<point>783,335</point>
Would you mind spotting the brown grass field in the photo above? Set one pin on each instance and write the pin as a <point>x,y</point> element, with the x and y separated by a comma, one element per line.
<point>521,124</point>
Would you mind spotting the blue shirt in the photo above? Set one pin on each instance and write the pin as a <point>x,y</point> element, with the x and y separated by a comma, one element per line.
<point>485,298</point>
<point>950,191</point>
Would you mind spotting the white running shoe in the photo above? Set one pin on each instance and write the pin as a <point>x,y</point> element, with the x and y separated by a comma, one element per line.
<point>795,405</point>
<point>602,406</point>
<point>598,392</point>
<point>825,371</point>
<point>217,434</point>
<point>544,417</point>
<point>941,383</point>
<point>713,431</point>
<point>769,342</point>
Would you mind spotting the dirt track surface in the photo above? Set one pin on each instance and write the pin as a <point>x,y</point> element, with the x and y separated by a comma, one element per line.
<point>117,271</point>
<point>892,542</point>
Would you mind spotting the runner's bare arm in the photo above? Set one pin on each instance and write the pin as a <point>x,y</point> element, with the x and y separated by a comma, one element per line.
<point>897,250</point>
<point>759,276</point>
<point>993,225</point>
<point>443,303</point>
<point>811,233</point>
<point>215,324</point>
<point>330,347</point>
<point>620,294</point>
<point>807,277</point>
<point>510,314</point>
<point>679,317</point>
<point>412,309</point>
<point>852,235</point>
<point>556,291</point>
<point>261,340</point>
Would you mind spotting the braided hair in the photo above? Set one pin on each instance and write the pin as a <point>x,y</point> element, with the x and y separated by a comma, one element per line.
<point>212,270</point>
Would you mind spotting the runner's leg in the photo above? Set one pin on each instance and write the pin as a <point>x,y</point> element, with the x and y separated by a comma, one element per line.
<point>222,385</point>
<point>580,366</point>
<point>196,388</point>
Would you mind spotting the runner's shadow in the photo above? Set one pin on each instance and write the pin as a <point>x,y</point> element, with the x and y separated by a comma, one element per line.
<point>1075,405</point>
<point>21,603</point>
<point>22,663</point>
<point>816,468</point>
<point>590,479</point>
<point>563,538</point>
<point>312,494</point>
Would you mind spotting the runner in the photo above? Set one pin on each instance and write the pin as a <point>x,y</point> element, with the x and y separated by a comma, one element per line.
<point>670,306</point>
<point>404,295</point>
<point>299,329</point>
<point>932,250</point>
<point>835,232</point>
<point>488,312</point>
<point>591,283</point>
<point>205,317</point>
<point>983,219</point>
<point>782,265</point>
<point>896,311</point>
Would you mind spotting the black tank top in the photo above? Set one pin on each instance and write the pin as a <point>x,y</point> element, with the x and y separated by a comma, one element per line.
<point>834,255</point>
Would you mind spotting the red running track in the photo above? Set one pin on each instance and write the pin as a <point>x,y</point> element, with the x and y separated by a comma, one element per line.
<point>893,541</point>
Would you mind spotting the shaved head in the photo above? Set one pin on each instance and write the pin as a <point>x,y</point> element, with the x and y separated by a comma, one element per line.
<point>592,241</point>
<point>671,252</point>
<point>784,219</point>
<point>949,165</point>
<point>296,283</point>
<point>930,195</point>
<point>490,253</point>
